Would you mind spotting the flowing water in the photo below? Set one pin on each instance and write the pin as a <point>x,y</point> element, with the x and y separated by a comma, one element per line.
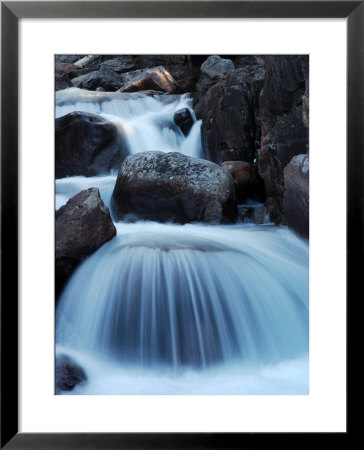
<point>181,309</point>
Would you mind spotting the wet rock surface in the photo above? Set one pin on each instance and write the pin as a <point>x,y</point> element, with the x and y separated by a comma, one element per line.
<point>87,144</point>
<point>68,374</point>
<point>296,194</point>
<point>83,225</point>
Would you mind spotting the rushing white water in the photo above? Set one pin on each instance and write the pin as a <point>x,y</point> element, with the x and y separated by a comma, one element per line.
<point>194,295</point>
<point>181,309</point>
<point>145,122</point>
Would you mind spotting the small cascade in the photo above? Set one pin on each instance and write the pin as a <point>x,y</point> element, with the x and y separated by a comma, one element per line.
<point>145,122</point>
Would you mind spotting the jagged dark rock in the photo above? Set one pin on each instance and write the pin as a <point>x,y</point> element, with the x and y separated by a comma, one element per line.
<point>284,121</point>
<point>227,101</point>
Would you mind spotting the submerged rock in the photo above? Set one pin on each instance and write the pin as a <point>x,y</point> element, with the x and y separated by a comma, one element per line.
<point>87,144</point>
<point>183,118</point>
<point>296,194</point>
<point>83,225</point>
<point>68,374</point>
<point>173,187</point>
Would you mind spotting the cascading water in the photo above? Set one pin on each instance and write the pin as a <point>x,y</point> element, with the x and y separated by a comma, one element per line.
<point>145,122</point>
<point>174,309</point>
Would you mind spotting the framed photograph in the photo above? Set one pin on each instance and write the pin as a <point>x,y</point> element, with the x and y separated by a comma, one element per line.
<point>180,221</point>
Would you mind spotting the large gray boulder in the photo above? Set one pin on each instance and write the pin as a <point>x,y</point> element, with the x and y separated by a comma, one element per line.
<point>87,144</point>
<point>173,187</point>
<point>296,194</point>
<point>83,225</point>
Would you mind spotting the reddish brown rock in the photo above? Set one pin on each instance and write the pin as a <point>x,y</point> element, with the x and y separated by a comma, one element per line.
<point>248,183</point>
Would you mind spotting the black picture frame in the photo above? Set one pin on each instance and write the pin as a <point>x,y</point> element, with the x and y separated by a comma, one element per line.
<point>11,12</point>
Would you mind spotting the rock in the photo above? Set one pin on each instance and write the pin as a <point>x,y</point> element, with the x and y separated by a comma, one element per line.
<point>62,80</point>
<point>248,183</point>
<point>157,78</point>
<point>70,59</point>
<point>229,108</point>
<point>68,374</point>
<point>87,144</point>
<point>63,74</point>
<point>186,85</point>
<point>215,67</point>
<point>173,187</point>
<point>284,117</point>
<point>296,194</point>
<point>184,120</point>
<point>83,225</point>
<point>120,64</point>
<point>109,80</point>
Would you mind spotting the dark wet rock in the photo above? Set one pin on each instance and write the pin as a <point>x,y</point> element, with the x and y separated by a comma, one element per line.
<point>156,78</point>
<point>216,67</point>
<point>186,85</point>
<point>83,225</point>
<point>64,72</point>
<point>62,80</point>
<point>284,121</point>
<point>68,374</point>
<point>183,118</point>
<point>87,144</point>
<point>227,101</point>
<point>107,79</point>
<point>120,64</point>
<point>296,194</point>
<point>68,58</point>
<point>173,187</point>
<point>248,183</point>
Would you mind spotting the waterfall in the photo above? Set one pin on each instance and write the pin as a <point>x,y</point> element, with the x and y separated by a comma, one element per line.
<point>171,309</point>
<point>145,122</point>
<point>190,296</point>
